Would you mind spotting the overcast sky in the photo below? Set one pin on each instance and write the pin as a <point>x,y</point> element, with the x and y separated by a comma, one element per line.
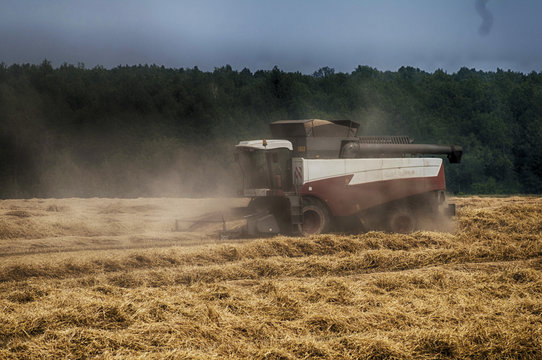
<point>295,35</point>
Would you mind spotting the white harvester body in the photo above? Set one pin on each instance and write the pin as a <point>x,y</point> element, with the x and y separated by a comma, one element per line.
<point>320,175</point>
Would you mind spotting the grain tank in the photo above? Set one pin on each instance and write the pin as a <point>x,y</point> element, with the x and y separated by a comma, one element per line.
<point>316,176</point>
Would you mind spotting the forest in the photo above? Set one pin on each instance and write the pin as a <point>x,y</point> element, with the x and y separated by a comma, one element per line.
<point>148,130</point>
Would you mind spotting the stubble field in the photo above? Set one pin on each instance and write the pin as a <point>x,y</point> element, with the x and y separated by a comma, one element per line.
<point>111,278</point>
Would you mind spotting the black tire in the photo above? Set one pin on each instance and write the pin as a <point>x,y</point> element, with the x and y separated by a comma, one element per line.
<point>402,220</point>
<point>316,219</point>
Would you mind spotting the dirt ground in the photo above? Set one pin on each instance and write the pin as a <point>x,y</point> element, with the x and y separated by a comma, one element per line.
<point>36,226</point>
<point>148,278</point>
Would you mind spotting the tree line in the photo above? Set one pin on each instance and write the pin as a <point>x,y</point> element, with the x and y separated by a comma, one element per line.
<point>148,130</point>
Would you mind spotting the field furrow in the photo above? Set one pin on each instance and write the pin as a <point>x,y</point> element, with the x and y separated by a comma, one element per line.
<point>472,293</point>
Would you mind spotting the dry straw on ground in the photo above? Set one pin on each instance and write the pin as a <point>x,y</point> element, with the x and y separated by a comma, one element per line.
<point>476,293</point>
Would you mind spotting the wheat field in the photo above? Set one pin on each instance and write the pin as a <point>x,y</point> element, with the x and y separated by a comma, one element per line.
<point>138,278</point>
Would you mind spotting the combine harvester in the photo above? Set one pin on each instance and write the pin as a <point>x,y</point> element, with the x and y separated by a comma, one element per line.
<point>317,176</point>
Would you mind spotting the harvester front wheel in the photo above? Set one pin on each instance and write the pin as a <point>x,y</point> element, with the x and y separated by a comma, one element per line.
<point>316,219</point>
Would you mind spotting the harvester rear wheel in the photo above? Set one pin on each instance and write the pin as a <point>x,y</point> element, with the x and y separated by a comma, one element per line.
<point>402,221</point>
<point>316,219</point>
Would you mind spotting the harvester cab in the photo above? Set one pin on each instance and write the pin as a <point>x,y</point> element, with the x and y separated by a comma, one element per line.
<point>318,175</point>
<point>265,165</point>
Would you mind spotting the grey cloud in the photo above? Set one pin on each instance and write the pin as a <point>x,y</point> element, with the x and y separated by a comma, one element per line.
<point>299,35</point>
<point>486,15</point>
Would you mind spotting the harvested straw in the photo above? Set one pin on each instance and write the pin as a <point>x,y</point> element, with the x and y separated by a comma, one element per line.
<point>473,294</point>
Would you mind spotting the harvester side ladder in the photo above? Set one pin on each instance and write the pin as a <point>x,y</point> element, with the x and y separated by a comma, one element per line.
<point>296,211</point>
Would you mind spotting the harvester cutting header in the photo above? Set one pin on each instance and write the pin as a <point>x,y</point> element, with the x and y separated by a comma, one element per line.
<point>315,176</point>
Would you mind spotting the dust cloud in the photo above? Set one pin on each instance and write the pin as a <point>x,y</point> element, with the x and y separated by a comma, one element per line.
<point>163,167</point>
<point>109,157</point>
<point>375,121</point>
